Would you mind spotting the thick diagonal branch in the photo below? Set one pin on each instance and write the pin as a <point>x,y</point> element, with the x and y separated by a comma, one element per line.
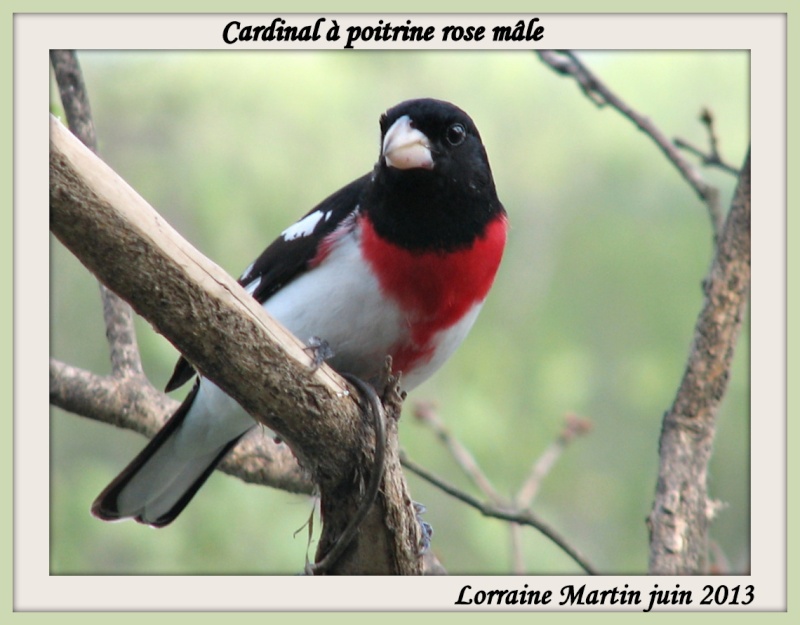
<point>223,332</point>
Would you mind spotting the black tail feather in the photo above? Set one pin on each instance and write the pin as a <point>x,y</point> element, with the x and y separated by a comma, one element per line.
<point>106,505</point>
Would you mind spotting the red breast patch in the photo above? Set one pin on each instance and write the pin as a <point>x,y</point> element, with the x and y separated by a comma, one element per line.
<point>434,289</point>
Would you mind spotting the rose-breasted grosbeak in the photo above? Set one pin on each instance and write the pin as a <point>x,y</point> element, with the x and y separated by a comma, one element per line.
<point>397,262</point>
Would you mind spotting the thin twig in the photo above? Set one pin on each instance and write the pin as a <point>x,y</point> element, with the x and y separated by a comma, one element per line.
<point>573,427</point>
<point>74,97</point>
<point>567,63</point>
<point>426,414</point>
<point>713,158</point>
<point>517,556</point>
<point>521,517</point>
<point>120,331</point>
<point>523,500</point>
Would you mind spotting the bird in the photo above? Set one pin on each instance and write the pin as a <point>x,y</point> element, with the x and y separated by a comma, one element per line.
<point>398,263</point>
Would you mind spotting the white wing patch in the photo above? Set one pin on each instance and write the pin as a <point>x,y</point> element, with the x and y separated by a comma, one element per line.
<point>252,286</point>
<point>248,270</point>
<point>305,226</point>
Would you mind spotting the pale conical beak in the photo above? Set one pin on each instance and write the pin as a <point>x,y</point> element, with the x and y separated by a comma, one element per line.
<point>405,147</point>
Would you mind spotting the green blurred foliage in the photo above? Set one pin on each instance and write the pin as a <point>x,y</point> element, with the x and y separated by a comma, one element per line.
<point>592,312</point>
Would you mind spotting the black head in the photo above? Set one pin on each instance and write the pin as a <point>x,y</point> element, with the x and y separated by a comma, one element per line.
<point>432,186</point>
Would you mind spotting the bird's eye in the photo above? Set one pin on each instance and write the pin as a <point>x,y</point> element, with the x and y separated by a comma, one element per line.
<point>456,134</point>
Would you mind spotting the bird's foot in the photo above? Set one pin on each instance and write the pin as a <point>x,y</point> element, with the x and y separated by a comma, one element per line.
<point>319,350</point>
<point>425,528</point>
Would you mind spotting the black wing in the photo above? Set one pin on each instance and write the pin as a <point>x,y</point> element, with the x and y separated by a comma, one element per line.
<point>288,257</point>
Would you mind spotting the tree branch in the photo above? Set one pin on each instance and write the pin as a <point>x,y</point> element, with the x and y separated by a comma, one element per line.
<point>713,158</point>
<point>132,403</point>
<point>120,331</point>
<point>565,62</point>
<point>521,517</point>
<point>519,505</point>
<point>427,415</point>
<point>681,512</point>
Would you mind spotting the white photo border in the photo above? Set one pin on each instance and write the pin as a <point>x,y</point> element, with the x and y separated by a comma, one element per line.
<point>36,590</point>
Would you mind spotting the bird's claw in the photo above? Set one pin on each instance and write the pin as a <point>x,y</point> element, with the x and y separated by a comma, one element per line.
<point>425,527</point>
<point>319,350</point>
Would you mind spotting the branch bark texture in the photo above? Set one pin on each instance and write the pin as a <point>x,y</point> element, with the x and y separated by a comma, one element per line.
<point>681,511</point>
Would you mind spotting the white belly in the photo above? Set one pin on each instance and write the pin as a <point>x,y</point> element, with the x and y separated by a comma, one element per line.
<point>340,302</point>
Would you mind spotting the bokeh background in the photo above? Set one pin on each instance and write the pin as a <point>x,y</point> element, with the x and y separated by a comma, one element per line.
<point>592,312</point>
